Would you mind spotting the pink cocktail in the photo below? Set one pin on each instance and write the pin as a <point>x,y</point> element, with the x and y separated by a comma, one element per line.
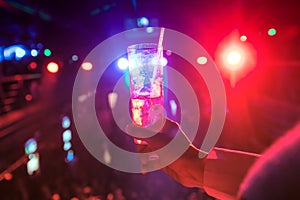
<point>146,76</point>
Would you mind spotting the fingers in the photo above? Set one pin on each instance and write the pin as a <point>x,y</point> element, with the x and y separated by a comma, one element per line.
<point>161,133</point>
<point>147,131</point>
<point>158,134</point>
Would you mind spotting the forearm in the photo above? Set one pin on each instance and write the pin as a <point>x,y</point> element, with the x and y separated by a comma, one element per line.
<point>224,170</point>
<point>220,173</point>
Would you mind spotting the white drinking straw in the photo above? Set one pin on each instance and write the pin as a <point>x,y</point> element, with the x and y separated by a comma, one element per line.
<point>161,37</point>
<point>159,49</point>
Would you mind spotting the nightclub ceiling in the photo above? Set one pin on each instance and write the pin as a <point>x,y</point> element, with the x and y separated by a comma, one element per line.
<point>89,22</point>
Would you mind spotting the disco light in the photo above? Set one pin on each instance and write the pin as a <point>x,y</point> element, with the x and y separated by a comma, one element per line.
<point>66,122</point>
<point>33,163</point>
<point>28,97</point>
<point>47,52</point>
<point>202,60</point>
<point>74,57</point>
<point>272,32</point>
<point>33,156</point>
<point>17,52</point>
<point>122,63</point>
<point>243,38</point>
<point>67,146</point>
<point>30,146</point>
<point>52,67</point>
<point>235,57</point>
<point>34,52</point>
<point>32,65</point>
<point>87,66</point>
<point>20,53</point>
<point>70,156</point>
<point>67,135</point>
<point>143,22</point>
<point>67,139</point>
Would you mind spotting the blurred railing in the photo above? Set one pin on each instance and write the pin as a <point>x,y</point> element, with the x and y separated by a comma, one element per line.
<point>18,91</point>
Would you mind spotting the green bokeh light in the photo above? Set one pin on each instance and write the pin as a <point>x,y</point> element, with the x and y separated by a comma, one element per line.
<point>47,52</point>
<point>271,31</point>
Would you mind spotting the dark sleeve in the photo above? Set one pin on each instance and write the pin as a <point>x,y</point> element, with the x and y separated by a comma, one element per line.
<point>276,175</point>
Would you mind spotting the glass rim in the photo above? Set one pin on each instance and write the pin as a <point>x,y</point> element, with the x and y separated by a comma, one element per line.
<point>141,46</point>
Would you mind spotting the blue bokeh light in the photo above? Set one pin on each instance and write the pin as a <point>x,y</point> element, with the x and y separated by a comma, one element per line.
<point>143,22</point>
<point>17,52</point>
<point>66,122</point>
<point>34,52</point>
<point>67,146</point>
<point>70,156</point>
<point>30,146</point>
<point>67,135</point>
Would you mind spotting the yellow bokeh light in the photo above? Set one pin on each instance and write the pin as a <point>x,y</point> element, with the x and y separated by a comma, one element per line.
<point>52,67</point>
<point>87,66</point>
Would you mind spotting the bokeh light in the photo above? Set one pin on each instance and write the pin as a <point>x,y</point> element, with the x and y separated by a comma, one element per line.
<point>20,53</point>
<point>70,156</point>
<point>74,58</point>
<point>234,58</point>
<point>67,135</point>
<point>123,63</point>
<point>8,176</point>
<point>143,22</point>
<point>52,67</point>
<point>67,146</point>
<point>66,122</point>
<point>32,65</point>
<point>243,38</point>
<point>28,97</point>
<point>149,29</point>
<point>34,52</point>
<point>87,66</point>
<point>272,32</point>
<point>30,146</point>
<point>173,106</point>
<point>47,52</point>
<point>202,60</point>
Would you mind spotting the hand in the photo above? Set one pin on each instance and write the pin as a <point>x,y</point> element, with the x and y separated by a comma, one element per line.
<point>187,169</point>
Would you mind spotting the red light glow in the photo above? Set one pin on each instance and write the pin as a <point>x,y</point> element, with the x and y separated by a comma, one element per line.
<point>235,58</point>
<point>28,97</point>
<point>8,176</point>
<point>32,65</point>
